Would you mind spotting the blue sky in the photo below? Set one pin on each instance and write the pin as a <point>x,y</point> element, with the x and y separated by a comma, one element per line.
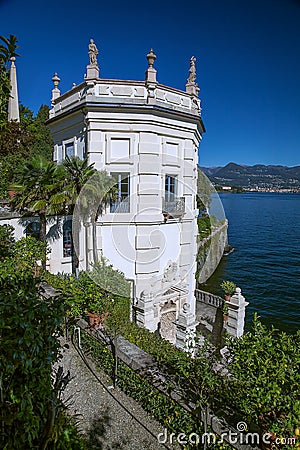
<point>248,62</point>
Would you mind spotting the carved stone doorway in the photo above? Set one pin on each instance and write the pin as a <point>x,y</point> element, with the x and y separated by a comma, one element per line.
<point>167,323</point>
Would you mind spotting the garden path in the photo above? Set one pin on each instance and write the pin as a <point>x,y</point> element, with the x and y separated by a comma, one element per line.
<point>105,424</point>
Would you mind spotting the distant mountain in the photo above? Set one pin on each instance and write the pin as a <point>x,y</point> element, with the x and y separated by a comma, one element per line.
<point>210,170</point>
<point>258,176</point>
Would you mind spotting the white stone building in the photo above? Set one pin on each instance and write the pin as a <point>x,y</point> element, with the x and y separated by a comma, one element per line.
<point>146,136</point>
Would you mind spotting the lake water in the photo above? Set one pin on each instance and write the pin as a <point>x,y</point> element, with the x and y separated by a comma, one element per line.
<point>264,229</point>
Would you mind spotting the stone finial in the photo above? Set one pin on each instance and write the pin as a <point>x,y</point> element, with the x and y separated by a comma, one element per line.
<point>92,70</point>
<point>55,91</point>
<point>151,57</point>
<point>55,80</point>
<point>13,101</point>
<point>150,76</point>
<point>191,85</point>
<point>151,72</point>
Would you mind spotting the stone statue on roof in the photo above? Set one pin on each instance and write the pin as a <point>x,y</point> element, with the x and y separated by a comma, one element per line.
<point>93,52</point>
<point>192,71</point>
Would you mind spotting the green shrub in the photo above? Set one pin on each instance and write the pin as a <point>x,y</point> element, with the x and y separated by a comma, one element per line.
<point>204,227</point>
<point>7,241</point>
<point>266,378</point>
<point>82,295</point>
<point>109,279</point>
<point>28,250</point>
<point>29,330</point>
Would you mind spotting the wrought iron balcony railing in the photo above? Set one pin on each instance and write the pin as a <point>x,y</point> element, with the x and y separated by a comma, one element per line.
<point>174,208</point>
<point>120,207</point>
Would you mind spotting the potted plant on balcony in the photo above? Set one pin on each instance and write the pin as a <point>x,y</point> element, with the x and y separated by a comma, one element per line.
<point>228,287</point>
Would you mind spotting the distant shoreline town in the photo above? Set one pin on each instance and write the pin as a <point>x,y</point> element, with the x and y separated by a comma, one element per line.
<point>238,190</point>
<point>258,178</point>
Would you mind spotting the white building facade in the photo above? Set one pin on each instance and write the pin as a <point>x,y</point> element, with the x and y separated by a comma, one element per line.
<point>146,136</point>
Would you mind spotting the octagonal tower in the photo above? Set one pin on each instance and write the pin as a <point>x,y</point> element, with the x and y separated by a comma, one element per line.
<point>146,136</point>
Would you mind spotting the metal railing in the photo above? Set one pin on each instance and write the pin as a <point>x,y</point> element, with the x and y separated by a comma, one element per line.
<point>174,208</point>
<point>120,207</point>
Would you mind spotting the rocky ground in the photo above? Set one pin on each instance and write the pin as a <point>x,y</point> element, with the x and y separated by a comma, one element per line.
<point>106,415</point>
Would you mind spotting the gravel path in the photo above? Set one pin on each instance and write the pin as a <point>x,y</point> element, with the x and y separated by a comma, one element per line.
<point>101,419</point>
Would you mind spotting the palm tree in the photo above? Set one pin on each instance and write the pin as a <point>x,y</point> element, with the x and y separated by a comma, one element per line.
<point>95,195</point>
<point>78,172</point>
<point>47,188</point>
<point>39,182</point>
<point>8,50</point>
<point>87,189</point>
<point>73,174</point>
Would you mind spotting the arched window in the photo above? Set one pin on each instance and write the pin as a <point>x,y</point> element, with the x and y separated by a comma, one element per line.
<point>67,238</point>
<point>33,230</point>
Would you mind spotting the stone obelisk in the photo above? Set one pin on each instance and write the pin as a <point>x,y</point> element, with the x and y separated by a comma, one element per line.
<point>13,102</point>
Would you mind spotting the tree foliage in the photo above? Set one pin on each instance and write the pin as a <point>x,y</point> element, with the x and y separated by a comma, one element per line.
<point>98,290</point>
<point>38,184</point>
<point>204,191</point>
<point>18,141</point>
<point>29,345</point>
<point>95,195</point>
<point>42,142</point>
<point>265,380</point>
<point>22,141</point>
<point>28,250</point>
<point>15,140</point>
<point>7,241</point>
<point>73,174</point>
<point>31,413</point>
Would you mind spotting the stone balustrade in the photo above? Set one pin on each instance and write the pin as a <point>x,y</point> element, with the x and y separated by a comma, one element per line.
<point>210,308</point>
<point>208,298</point>
<point>124,92</point>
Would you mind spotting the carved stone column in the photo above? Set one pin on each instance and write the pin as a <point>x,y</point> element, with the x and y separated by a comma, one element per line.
<point>185,325</point>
